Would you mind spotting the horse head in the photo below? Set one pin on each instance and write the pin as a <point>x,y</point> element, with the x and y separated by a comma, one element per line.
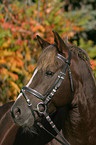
<point>62,79</point>
<point>51,62</point>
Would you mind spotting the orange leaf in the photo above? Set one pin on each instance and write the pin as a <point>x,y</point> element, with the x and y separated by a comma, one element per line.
<point>31,68</point>
<point>6,53</point>
<point>19,54</point>
<point>2,61</point>
<point>14,85</point>
<point>38,27</point>
<point>75,28</point>
<point>93,64</point>
<point>6,25</point>
<point>13,76</point>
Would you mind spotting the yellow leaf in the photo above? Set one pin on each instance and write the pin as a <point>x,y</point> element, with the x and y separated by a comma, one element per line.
<point>13,76</point>
<point>14,69</point>
<point>6,53</point>
<point>17,62</point>
<point>19,55</point>
<point>6,44</point>
<point>28,57</point>
<point>38,27</point>
<point>14,85</point>
<point>4,71</point>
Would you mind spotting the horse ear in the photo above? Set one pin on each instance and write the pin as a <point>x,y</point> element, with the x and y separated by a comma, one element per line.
<point>61,45</point>
<point>42,42</point>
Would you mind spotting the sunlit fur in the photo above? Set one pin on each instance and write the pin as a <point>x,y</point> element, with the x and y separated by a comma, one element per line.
<point>47,57</point>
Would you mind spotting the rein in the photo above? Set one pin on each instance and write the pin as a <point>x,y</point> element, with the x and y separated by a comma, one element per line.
<point>47,98</point>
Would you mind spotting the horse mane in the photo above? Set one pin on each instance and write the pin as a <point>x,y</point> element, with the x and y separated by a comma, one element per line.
<point>82,54</point>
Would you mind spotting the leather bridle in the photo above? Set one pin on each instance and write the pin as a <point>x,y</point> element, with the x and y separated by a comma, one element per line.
<point>47,98</point>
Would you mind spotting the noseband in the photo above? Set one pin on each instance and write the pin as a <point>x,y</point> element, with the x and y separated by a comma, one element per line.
<point>47,98</point>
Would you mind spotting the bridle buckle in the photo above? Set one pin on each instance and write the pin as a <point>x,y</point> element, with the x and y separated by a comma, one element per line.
<point>41,108</point>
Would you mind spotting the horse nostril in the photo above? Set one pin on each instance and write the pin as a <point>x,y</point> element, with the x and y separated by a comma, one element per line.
<point>17,112</point>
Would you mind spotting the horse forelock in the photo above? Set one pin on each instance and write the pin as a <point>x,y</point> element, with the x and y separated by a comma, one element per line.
<point>47,57</point>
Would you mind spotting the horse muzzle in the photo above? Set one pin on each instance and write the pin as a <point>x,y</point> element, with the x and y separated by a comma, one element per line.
<point>22,115</point>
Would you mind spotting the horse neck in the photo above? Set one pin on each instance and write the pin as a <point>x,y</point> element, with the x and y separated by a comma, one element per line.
<point>82,116</point>
<point>85,91</point>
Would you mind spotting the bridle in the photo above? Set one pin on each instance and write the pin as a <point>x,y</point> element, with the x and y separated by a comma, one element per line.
<point>47,98</point>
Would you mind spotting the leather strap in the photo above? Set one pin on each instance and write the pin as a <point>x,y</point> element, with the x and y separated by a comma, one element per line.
<point>33,92</point>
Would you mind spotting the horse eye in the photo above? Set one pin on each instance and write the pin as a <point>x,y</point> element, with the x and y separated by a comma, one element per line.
<point>49,73</point>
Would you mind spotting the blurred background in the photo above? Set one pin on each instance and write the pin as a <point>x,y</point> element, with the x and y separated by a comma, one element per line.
<point>22,20</point>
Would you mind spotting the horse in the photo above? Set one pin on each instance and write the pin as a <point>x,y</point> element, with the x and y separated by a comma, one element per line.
<point>11,134</point>
<point>7,127</point>
<point>62,82</point>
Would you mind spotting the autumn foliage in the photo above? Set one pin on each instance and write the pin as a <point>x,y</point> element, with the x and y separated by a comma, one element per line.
<point>19,50</point>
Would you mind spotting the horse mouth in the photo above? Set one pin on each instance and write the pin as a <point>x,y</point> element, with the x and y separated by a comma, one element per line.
<point>39,119</point>
<point>38,123</point>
